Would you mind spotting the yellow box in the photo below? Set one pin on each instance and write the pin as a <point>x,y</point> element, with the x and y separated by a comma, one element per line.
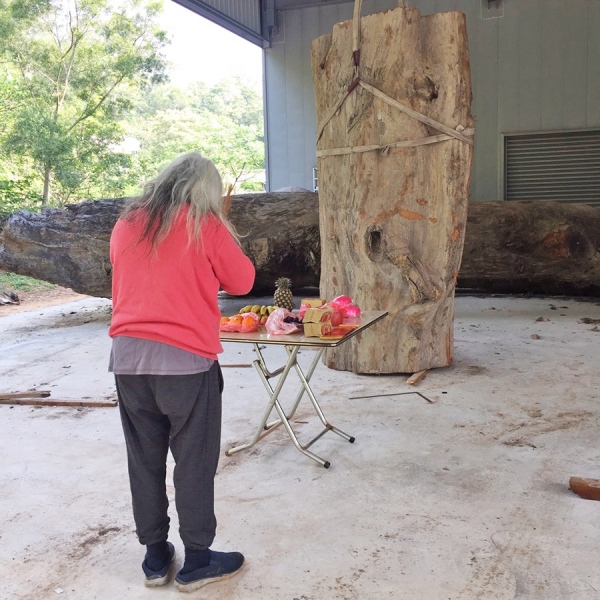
<point>313,302</point>
<point>318,315</point>
<point>316,329</point>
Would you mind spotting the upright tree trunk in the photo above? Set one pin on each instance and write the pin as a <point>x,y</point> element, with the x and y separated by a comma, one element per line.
<point>392,215</point>
<point>46,192</point>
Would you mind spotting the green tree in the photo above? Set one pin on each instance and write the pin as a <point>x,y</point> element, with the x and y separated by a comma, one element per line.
<point>224,122</point>
<point>68,64</point>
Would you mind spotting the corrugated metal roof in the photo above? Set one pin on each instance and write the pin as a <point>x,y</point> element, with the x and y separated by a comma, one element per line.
<point>242,17</point>
<point>291,4</point>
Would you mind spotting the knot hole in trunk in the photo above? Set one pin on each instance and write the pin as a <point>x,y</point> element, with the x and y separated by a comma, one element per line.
<point>374,243</point>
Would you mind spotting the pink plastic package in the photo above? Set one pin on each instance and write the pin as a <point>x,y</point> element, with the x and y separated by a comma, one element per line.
<point>337,318</point>
<point>229,327</point>
<point>351,311</point>
<point>276,325</point>
<point>339,302</point>
<point>302,310</point>
<point>346,309</point>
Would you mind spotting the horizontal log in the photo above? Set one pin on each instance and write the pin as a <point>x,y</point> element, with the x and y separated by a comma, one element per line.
<point>530,247</point>
<point>69,247</point>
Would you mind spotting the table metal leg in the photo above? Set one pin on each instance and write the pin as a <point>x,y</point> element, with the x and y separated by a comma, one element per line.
<point>260,432</point>
<point>319,411</point>
<point>266,427</point>
<point>309,374</point>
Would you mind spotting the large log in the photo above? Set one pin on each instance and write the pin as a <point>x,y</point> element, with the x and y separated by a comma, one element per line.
<point>394,173</point>
<point>532,247</point>
<point>528,247</point>
<point>69,247</point>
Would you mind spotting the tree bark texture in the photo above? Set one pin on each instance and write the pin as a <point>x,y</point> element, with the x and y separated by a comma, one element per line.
<point>524,247</point>
<point>69,247</point>
<point>393,220</point>
<point>532,247</point>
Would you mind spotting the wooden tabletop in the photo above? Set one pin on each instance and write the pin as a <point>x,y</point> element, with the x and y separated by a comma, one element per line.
<point>365,320</point>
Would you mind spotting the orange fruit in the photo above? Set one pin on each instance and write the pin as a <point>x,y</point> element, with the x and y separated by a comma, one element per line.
<point>248,322</point>
<point>224,319</point>
<point>237,319</point>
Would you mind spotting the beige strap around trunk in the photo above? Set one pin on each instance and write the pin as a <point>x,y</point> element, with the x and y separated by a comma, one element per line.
<point>432,139</point>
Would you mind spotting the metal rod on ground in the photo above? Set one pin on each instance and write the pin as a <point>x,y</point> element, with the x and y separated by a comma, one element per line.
<point>395,394</point>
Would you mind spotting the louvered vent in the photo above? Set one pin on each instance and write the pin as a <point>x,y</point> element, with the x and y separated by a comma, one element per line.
<point>562,165</point>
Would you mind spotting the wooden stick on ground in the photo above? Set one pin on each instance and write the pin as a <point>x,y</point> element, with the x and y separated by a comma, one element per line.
<point>417,377</point>
<point>586,488</point>
<point>30,394</point>
<point>33,402</point>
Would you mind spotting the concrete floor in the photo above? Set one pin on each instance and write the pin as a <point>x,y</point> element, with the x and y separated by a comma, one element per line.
<point>464,498</point>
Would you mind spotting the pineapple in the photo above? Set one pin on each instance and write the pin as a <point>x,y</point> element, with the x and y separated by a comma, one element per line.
<point>283,296</point>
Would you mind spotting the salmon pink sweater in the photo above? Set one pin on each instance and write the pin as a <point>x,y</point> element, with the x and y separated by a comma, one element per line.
<point>170,295</point>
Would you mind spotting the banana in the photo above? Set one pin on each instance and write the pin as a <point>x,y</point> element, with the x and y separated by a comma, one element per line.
<point>245,309</point>
<point>263,310</point>
<point>270,309</point>
<point>255,308</point>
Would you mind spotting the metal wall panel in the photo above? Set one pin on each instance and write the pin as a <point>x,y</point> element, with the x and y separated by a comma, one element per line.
<point>561,166</point>
<point>536,68</point>
<point>290,121</point>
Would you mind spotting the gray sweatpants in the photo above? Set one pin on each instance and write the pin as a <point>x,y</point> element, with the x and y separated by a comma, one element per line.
<point>183,413</point>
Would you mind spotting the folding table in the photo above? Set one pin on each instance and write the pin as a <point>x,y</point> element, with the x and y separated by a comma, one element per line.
<point>293,343</point>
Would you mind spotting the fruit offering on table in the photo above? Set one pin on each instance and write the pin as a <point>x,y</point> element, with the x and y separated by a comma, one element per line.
<point>283,296</point>
<point>263,311</point>
<point>241,323</point>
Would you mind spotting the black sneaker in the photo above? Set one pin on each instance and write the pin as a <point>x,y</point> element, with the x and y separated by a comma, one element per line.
<point>222,565</point>
<point>162,577</point>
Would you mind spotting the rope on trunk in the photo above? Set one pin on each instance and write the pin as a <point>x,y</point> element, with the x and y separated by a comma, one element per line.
<point>460,133</point>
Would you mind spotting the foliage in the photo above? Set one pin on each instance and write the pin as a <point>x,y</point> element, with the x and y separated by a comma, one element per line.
<point>65,64</point>
<point>18,283</point>
<point>17,194</point>
<point>224,122</point>
<point>87,111</point>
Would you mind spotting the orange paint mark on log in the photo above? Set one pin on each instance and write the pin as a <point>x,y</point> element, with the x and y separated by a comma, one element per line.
<point>455,275</point>
<point>432,220</point>
<point>448,348</point>
<point>455,234</point>
<point>556,242</point>
<point>413,216</point>
<point>382,217</point>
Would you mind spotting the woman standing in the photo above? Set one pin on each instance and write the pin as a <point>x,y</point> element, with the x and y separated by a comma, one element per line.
<point>171,251</point>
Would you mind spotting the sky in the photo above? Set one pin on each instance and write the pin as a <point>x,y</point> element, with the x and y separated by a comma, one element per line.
<point>203,51</point>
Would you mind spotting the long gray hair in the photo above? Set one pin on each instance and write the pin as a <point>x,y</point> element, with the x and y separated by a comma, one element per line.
<point>190,179</point>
